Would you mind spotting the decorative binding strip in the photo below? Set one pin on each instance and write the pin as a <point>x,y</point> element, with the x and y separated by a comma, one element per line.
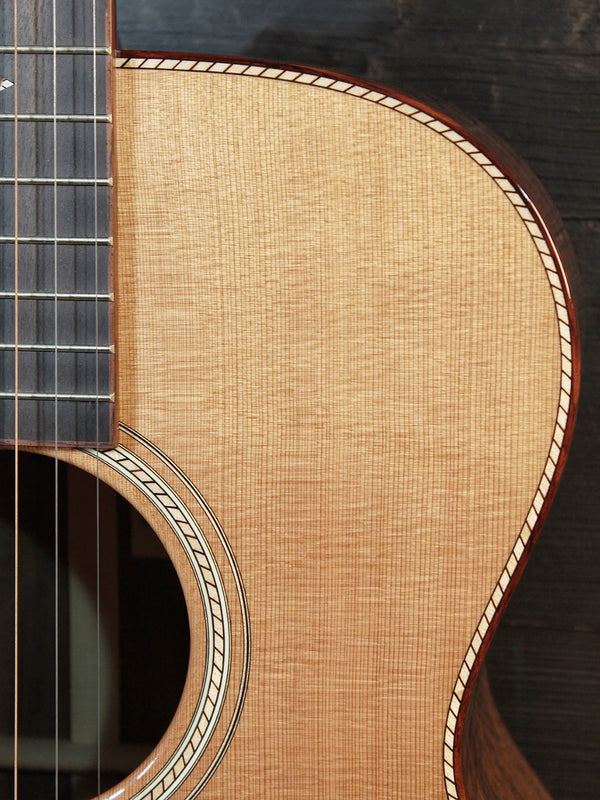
<point>218,629</point>
<point>534,225</point>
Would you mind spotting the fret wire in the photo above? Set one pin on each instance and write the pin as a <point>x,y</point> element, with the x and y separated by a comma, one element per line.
<point>103,398</point>
<point>57,296</point>
<point>105,118</point>
<point>62,348</point>
<point>8,180</point>
<point>40,50</point>
<point>51,240</point>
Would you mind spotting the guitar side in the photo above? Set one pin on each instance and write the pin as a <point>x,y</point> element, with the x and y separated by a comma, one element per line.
<point>346,324</point>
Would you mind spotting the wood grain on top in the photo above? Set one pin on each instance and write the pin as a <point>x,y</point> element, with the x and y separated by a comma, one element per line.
<point>351,334</point>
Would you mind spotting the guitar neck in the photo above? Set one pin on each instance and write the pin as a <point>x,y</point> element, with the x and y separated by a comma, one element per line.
<point>56,345</point>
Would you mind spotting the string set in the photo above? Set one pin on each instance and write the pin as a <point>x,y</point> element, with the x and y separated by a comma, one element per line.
<point>56,50</point>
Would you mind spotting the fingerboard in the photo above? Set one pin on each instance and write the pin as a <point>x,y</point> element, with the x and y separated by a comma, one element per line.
<point>56,347</point>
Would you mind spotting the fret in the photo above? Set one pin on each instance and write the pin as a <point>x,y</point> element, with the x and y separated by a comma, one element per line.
<point>10,181</point>
<point>59,348</point>
<point>51,240</point>
<point>78,324</point>
<point>82,268</point>
<point>76,91</point>
<point>57,372</point>
<point>56,296</point>
<point>61,50</point>
<point>79,421</point>
<point>102,118</point>
<point>83,211</point>
<point>104,398</point>
<point>82,147</point>
<point>74,23</point>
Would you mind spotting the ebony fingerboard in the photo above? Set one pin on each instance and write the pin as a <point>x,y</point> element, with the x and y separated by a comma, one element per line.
<point>55,223</point>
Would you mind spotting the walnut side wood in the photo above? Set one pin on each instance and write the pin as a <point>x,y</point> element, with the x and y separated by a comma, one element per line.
<point>493,766</point>
<point>352,333</point>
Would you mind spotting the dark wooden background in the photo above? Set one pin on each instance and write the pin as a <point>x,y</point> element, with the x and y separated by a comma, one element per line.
<point>530,70</point>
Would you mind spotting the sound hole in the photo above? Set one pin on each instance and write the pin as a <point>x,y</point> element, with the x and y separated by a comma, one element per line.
<point>116,691</point>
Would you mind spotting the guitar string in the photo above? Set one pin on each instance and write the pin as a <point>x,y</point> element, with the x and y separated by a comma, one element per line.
<point>97,378</point>
<point>56,503</point>
<point>16,412</point>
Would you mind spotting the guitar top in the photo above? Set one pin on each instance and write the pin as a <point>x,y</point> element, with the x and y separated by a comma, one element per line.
<point>347,367</point>
<point>349,301</point>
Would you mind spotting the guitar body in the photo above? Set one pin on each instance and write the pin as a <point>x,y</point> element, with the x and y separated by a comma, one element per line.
<point>346,367</point>
<point>347,373</point>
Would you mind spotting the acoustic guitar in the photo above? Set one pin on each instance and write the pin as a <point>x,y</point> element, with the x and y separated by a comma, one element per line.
<point>322,337</point>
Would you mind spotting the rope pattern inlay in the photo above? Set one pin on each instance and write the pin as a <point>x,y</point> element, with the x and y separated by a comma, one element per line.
<point>212,592</point>
<point>532,223</point>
